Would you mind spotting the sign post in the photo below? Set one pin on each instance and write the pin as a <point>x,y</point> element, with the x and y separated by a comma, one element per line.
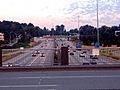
<point>1,39</point>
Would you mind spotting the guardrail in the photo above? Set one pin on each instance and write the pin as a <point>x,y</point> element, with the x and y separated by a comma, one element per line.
<point>59,68</point>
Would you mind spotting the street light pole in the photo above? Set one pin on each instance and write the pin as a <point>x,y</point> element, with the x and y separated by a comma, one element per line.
<point>79,27</point>
<point>78,22</point>
<point>97,23</point>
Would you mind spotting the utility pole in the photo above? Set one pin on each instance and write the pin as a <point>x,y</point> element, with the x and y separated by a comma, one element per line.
<point>79,27</point>
<point>78,22</point>
<point>97,23</point>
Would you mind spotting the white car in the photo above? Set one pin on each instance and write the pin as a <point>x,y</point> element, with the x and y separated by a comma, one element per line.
<point>82,55</point>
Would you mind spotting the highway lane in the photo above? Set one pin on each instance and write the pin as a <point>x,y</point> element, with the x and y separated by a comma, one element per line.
<point>77,60</point>
<point>48,56</point>
<point>61,80</point>
<point>26,59</point>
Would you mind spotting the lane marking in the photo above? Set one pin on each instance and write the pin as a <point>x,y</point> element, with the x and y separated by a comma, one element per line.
<point>48,89</point>
<point>23,86</point>
<point>47,77</point>
<point>34,60</point>
<point>50,77</point>
<point>39,81</point>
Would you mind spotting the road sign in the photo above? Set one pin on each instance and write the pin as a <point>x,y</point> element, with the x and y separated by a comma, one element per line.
<point>1,37</point>
<point>97,45</point>
<point>79,45</point>
<point>95,52</point>
<point>117,33</point>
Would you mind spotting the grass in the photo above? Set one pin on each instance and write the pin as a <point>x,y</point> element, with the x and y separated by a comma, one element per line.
<point>32,44</point>
<point>108,53</point>
<point>9,51</point>
<point>9,56</point>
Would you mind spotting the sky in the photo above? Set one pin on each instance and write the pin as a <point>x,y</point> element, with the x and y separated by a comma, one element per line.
<point>49,13</point>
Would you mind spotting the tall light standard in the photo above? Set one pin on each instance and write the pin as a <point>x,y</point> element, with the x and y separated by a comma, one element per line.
<point>78,27</point>
<point>78,22</point>
<point>97,23</point>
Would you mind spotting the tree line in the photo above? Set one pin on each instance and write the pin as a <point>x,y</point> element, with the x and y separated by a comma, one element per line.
<point>88,33</point>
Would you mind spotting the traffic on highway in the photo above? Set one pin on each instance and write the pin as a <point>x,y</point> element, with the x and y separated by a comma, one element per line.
<point>44,55</point>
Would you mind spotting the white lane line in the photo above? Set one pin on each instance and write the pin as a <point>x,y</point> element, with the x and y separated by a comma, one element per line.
<point>48,89</point>
<point>39,82</point>
<point>34,60</point>
<point>23,86</point>
<point>47,77</point>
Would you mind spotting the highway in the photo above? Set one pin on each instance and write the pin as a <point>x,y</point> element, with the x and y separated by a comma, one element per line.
<point>76,59</point>
<point>44,57</point>
<point>61,80</point>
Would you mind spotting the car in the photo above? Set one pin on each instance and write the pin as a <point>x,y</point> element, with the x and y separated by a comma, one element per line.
<point>93,56</point>
<point>5,65</point>
<point>74,50</point>
<point>42,55</point>
<point>85,63</point>
<point>93,62</point>
<point>68,45</point>
<point>10,64</point>
<point>71,53</point>
<point>33,54</point>
<point>82,55</point>
<point>37,52</point>
<point>84,52</point>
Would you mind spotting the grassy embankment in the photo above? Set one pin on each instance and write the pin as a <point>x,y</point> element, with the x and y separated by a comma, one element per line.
<point>6,56</point>
<point>110,53</point>
<point>10,56</point>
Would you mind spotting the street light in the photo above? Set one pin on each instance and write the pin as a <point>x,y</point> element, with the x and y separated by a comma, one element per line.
<point>97,23</point>
<point>79,27</point>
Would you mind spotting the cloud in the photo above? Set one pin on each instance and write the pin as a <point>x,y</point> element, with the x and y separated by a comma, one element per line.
<point>86,9</point>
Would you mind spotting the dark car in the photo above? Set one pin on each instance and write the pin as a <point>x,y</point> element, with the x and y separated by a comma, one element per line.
<point>85,63</point>
<point>10,64</point>
<point>84,52</point>
<point>82,55</point>
<point>71,53</point>
<point>33,54</point>
<point>42,55</point>
<point>93,56</point>
<point>93,62</point>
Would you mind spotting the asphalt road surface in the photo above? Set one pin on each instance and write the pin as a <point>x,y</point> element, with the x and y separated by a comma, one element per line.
<point>45,57</point>
<point>46,47</point>
<point>77,60</point>
<point>61,80</point>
